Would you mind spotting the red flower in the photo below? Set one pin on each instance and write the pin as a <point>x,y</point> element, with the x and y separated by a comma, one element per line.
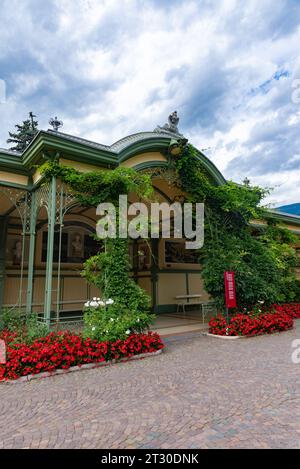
<point>65,349</point>
<point>278,318</point>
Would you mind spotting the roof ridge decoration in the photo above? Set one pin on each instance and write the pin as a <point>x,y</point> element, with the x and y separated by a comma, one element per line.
<point>117,146</point>
<point>55,123</point>
<point>74,138</point>
<point>169,130</point>
<point>171,126</point>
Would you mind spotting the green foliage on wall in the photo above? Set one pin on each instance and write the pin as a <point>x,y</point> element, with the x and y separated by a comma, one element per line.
<point>263,263</point>
<point>94,187</point>
<point>262,258</point>
<point>24,134</point>
<point>109,270</point>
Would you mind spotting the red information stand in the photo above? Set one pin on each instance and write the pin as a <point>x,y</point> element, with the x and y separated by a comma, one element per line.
<point>230,294</point>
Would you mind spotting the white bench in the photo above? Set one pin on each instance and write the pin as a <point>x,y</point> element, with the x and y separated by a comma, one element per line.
<point>207,308</point>
<point>185,300</point>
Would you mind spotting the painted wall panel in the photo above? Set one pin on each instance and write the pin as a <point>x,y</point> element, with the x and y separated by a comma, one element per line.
<point>169,286</point>
<point>145,283</point>
<point>195,283</point>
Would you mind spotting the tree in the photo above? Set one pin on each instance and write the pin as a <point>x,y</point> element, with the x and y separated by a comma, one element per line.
<point>24,135</point>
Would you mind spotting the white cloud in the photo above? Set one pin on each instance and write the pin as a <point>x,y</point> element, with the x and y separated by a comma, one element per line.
<point>109,68</point>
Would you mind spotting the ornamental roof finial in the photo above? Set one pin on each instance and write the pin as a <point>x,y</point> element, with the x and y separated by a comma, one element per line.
<point>171,126</point>
<point>55,123</point>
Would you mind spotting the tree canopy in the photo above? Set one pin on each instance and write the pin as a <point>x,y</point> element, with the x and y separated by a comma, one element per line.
<point>24,134</point>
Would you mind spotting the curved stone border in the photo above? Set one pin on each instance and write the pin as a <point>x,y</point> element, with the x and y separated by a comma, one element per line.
<point>230,337</point>
<point>87,366</point>
<point>226,337</point>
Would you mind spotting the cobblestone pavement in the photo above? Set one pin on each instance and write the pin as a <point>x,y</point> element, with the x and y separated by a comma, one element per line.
<point>200,393</point>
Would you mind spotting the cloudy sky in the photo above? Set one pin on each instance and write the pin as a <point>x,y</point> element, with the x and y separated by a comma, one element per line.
<point>115,67</point>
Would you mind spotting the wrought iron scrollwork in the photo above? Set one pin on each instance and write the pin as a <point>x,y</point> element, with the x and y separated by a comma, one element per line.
<point>22,200</point>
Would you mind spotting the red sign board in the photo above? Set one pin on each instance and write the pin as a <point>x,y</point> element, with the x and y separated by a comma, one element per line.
<point>230,294</point>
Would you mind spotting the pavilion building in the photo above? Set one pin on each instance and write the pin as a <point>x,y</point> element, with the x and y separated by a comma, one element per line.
<point>45,236</point>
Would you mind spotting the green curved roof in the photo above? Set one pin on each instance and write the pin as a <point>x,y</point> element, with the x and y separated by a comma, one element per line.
<point>48,143</point>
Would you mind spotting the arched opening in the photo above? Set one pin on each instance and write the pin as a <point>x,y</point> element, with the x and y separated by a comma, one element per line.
<point>15,206</point>
<point>166,270</point>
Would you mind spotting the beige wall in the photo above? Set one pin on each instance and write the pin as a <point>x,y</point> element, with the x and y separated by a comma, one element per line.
<point>145,283</point>
<point>83,167</point>
<point>171,285</point>
<point>143,158</point>
<point>13,178</point>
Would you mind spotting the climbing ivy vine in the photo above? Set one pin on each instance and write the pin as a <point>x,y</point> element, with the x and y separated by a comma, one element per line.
<point>262,258</point>
<point>109,269</point>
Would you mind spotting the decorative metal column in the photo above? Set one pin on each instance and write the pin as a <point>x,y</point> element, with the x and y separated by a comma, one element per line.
<point>32,232</point>
<point>154,272</point>
<point>65,200</point>
<point>21,200</point>
<point>50,248</point>
<point>3,236</point>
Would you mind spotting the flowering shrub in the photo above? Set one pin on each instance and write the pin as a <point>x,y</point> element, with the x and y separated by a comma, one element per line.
<point>253,324</point>
<point>27,327</point>
<point>62,350</point>
<point>104,320</point>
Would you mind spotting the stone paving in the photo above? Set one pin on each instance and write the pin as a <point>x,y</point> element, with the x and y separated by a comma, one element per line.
<point>200,393</point>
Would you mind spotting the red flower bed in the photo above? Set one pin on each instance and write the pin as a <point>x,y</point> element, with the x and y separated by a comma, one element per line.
<point>292,310</point>
<point>63,349</point>
<point>250,325</point>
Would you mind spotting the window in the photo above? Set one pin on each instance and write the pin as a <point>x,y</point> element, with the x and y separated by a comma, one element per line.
<point>76,246</point>
<point>176,253</point>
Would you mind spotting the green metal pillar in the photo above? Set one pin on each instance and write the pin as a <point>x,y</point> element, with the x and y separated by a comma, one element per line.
<point>154,272</point>
<point>50,247</point>
<point>29,294</point>
<point>3,236</point>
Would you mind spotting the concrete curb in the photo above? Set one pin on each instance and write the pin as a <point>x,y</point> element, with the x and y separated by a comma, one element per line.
<point>230,337</point>
<point>87,366</point>
<point>225,337</point>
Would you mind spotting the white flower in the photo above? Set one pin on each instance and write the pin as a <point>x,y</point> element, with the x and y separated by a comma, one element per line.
<point>109,301</point>
<point>128,332</point>
<point>93,328</point>
<point>138,320</point>
<point>87,304</point>
<point>101,303</point>
<point>94,304</point>
<point>98,299</point>
<point>111,319</point>
<point>94,299</point>
<point>261,302</point>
